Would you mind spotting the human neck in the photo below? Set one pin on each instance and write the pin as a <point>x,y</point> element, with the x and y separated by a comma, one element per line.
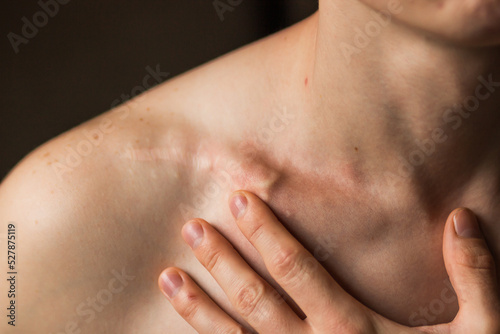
<point>377,105</point>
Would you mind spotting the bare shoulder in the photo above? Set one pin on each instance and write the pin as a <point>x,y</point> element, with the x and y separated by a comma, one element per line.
<point>92,211</point>
<point>97,213</point>
<point>96,210</point>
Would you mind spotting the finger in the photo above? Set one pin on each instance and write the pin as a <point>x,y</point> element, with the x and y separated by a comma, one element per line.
<point>471,268</point>
<point>194,305</point>
<point>253,298</point>
<point>288,262</point>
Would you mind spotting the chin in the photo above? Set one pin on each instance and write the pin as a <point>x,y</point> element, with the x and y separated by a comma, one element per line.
<point>461,22</point>
<point>468,22</point>
<point>475,37</point>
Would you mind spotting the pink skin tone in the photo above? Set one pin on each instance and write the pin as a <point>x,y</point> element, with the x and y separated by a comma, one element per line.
<point>330,168</point>
<point>326,305</point>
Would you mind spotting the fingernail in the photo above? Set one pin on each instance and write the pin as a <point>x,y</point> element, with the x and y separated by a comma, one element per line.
<point>193,234</point>
<point>238,205</point>
<point>466,225</point>
<point>170,283</point>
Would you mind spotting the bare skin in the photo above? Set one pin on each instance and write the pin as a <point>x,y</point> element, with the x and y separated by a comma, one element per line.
<point>328,308</point>
<point>318,138</point>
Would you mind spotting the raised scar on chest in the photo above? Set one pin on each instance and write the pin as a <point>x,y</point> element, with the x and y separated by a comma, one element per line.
<point>209,164</point>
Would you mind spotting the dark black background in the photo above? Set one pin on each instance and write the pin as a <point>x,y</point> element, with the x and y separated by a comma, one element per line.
<point>91,52</point>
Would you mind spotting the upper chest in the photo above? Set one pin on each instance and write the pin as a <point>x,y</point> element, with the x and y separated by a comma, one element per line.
<point>377,252</point>
<point>394,256</point>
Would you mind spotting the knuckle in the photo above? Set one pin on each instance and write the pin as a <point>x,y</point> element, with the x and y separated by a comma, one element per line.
<point>212,258</point>
<point>188,305</point>
<point>236,330</point>
<point>476,257</point>
<point>255,229</point>
<point>288,264</point>
<point>249,297</point>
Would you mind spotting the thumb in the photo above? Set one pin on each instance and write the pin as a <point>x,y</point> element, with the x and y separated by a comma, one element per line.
<point>471,268</point>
